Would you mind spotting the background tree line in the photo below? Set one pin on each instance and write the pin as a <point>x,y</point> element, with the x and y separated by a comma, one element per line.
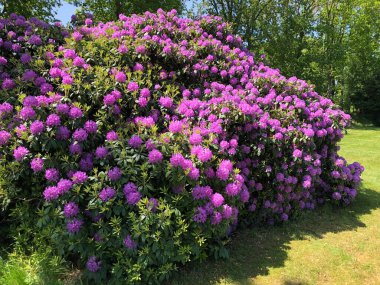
<point>334,44</point>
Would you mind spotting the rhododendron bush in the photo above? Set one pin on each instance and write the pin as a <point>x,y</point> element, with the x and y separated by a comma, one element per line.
<point>141,144</point>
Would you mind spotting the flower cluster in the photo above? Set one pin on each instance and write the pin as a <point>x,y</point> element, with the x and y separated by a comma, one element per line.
<point>161,133</point>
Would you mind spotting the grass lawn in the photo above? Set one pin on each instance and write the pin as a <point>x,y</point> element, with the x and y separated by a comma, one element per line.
<point>327,246</point>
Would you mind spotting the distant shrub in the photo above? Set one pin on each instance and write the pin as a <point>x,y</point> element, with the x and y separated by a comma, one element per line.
<point>142,143</point>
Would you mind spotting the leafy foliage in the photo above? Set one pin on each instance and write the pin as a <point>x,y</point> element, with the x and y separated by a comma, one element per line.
<point>105,10</point>
<point>42,9</point>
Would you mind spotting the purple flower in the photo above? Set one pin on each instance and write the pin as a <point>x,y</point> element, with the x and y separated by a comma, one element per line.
<point>308,132</point>
<point>175,127</point>
<point>335,174</point>
<point>20,152</point>
<point>133,86</point>
<point>143,102</point>
<point>155,156</point>
<point>67,80</point>
<point>86,162</point>
<point>140,49</point>
<point>129,187</point>
<point>63,133</point>
<point>4,137</point>
<point>75,113</point>
<point>37,127</point>
<point>176,159</point>
<point>109,100</point>
<point>336,196</point>
<point>216,218</point>
<point>200,215</point>
<point>51,193</point>
<point>145,93</point>
<point>135,141</point>
<point>25,58</point>
<point>51,174</point>
<point>46,88</point>
<point>101,152</point>
<point>112,136</point>
<point>75,148</point>
<point>27,113</point>
<point>74,225</point>
<point>64,185</point>
<point>69,53</point>
<point>3,60</point>
<point>232,189</point>
<point>194,173</point>
<point>92,264</point>
<point>217,200</point>
<point>114,174</point>
<point>107,194</point>
<point>77,36</point>
<point>297,153</point>
<point>37,164</point>
<point>227,211</point>
<point>30,101</point>
<point>35,40</point>
<point>244,195</point>
<point>120,77</point>
<point>122,49</point>
<point>55,72</point>
<point>195,139</point>
<point>53,120</point>
<point>166,49</point>
<point>29,75</point>
<point>91,127</point>
<point>224,170</point>
<point>284,217</point>
<point>80,135</point>
<point>8,84</point>
<point>79,177</point>
<point>133,197</point>
<point>78,61</point>
<point>201,192</point>
<point>204,155</point>
<point>63,108</point>
<point>306,184</point>
<point>166,102</point>
<point>70,210</point>
<point>129,243</point>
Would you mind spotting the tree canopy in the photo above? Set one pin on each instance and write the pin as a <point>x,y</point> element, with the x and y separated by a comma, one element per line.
<point>334,44</point>
<point>105,10</point>
<point>42,9</point>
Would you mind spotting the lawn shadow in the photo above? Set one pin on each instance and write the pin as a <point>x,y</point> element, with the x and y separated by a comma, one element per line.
<point>253,251</point>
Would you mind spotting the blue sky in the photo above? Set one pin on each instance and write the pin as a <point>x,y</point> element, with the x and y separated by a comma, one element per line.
<point>64,12</point>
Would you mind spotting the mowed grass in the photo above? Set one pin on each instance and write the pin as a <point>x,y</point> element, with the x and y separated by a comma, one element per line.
<point>327,246</point>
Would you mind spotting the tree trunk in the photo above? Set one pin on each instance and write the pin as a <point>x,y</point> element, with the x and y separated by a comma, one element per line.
<point>117,9</point>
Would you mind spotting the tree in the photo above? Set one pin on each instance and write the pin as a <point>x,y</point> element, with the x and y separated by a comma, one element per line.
<point>327,42</point>
<point>106,10</point>
<point>41,9</point>
<point>362,71</point>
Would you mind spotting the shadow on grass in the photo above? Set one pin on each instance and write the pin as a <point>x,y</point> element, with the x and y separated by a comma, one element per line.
<point>253,251</point>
